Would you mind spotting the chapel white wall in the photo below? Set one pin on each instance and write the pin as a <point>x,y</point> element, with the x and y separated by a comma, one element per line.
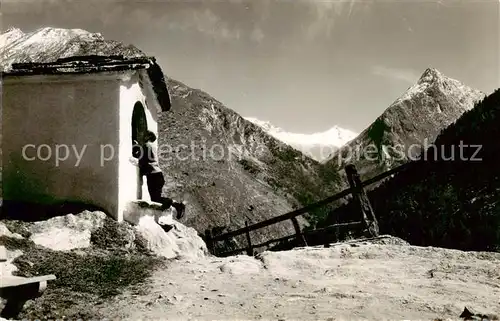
<point>79,112</point>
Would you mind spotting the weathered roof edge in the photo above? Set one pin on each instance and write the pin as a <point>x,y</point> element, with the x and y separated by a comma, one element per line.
<point>159,85</point>
<point>96,64</point>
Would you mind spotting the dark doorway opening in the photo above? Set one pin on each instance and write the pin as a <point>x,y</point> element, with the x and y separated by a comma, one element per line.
<point>139,130</point>
<point>139,123</point>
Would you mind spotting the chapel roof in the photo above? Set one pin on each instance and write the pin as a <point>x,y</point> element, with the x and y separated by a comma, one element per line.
<point>97,64</point>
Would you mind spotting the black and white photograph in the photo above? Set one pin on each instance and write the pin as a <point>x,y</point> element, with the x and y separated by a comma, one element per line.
<point>250,160</point>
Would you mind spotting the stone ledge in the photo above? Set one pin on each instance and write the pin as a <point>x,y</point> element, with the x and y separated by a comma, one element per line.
<point>135,210</point>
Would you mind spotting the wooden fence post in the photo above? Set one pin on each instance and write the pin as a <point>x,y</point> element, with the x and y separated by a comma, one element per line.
<point>360,196</point>
<point>209,241</point>
<point>337,229</point>
<point>249,241</point>
<point>300,236</point>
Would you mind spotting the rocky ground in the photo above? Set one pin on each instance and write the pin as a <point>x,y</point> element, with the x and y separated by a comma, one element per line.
<point>360,281</point>
<point>93,257</point>
<point>382,279</point>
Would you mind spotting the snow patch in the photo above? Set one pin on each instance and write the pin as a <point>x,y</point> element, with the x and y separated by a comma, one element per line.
<point>335,136</point>
<point>317,145</point>
<point>11,35</point>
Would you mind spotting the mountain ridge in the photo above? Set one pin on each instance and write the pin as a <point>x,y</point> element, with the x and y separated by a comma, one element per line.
<point>316,145</point>
<point>414,119</point>
<point>259,176</point>
<point>43,44</point>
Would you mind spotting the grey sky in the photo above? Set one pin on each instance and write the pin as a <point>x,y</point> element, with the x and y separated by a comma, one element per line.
<point>303,65</point>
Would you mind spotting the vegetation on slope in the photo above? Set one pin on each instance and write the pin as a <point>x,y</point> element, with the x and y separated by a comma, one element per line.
<point>298,183</point>
<point>235,171</point>
<point>85,277</point>
<point>450,196</point>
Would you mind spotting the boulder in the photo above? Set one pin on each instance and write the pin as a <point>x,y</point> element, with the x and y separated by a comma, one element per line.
<point>178,241</point>
<point>67,232</point>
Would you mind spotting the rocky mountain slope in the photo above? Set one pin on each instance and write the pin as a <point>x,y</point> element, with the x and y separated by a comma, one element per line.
<point>445,202</point>
<point>317,145</point>
<point>230,170</point>
<point>417,116</point>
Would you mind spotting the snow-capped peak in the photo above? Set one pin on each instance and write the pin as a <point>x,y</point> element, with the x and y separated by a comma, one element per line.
<point>266,125</point>
<point>434,79</point>
<point>44,35</point>
<point>12,34</point>
<point>430,75</point>
<point>317,145</point>
<point>49,44</point>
